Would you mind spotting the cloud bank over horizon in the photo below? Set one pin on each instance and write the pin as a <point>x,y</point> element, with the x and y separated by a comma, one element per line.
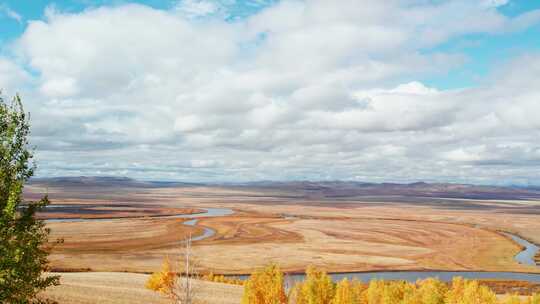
<point>295,90</point>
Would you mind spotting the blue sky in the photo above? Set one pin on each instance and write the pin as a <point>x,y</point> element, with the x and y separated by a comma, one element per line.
<point>483,51</point>
<point>487,51</point>
<point>34,9</point>
<point>219,90</point>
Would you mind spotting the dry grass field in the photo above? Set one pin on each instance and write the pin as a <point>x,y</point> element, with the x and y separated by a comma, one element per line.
<point>365,244</point>
<point>128,288</point>
<point>294,230</point>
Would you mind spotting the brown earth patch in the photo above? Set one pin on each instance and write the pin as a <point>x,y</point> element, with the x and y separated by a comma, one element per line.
<point>102,211</point>
<point>119,235</point>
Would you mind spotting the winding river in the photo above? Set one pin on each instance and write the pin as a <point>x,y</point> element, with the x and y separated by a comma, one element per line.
<point>208,212</point>
<point>524,257</point>
<point>527,255</point>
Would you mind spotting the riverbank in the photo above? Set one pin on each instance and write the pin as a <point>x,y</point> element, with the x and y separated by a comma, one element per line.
<point>128,288</point>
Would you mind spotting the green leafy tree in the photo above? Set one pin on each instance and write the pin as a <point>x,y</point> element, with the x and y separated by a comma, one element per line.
<point>23,243</point>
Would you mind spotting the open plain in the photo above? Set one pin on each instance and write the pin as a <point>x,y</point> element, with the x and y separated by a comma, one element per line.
<point>127,288</point>
<point>115,232</point>
<point>294,227</point>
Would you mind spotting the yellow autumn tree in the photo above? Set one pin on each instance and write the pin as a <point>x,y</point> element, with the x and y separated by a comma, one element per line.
<point>162,281</point>
<point>381,292</point>
<point>474,293</point>
<point>397,291</point>
<point>295,294</point>
<point>535,299</point>
<point>344,293</point>
<point>514,299</point>
<point>455,294</point>
<point>413,295</point>
<point>179,289</point>
<point>265,287</point>
<point>469,292</point>
<point>318,288</point>
<point>374,293</point>
<point>359,291</point>
<point>432,291</point>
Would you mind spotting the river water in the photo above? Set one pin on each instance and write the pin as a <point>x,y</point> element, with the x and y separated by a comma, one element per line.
<point>527,255</point>
<point>208,212</point>
<point>413,276</point>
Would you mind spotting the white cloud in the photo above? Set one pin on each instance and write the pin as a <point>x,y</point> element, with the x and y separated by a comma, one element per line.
<point>197,8</point>
<point>300,90</point>
<point>60,87</point>
<point>12,76</point>
<point>494,3</point>
<point>6,10</point>
<point>469,154</point>
<point>188,123</point>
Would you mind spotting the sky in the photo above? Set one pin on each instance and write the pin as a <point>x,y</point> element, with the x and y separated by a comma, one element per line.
<point>250,90</point>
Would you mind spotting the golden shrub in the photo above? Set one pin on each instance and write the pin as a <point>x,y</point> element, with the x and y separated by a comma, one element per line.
<point>164,280</point>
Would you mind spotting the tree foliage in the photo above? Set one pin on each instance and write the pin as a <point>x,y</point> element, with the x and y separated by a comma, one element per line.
<point>176,281</point>
<point>23,252</point>
<point>344,293</point>
<point>265,287</point>
<point>318,288</point>
<point>164,280</point>
<point>211,277</point>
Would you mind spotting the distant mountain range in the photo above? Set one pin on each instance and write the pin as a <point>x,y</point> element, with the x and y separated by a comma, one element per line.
<point>104,181</point>
<point>345,189</point>
<point>327,189</point>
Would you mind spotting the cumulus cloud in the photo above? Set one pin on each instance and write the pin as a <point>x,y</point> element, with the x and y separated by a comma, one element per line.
<point>12,76</point>
<point>300,90</point>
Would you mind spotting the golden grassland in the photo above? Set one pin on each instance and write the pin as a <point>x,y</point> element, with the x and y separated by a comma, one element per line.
<point>119,235</point>
<point>128,288</point>
<point>295,231</point>
<point>362,245</point>
<point>120,288</point>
